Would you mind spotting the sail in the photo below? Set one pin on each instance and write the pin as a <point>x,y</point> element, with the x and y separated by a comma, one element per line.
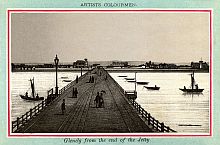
<point>32,88</point>
<point>192,80</point>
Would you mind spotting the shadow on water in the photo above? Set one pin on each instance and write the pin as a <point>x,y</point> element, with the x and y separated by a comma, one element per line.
<point>195,94</point>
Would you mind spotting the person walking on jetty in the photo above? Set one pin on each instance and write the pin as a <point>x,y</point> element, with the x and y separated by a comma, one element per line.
<point>101,100</point>
<point>77,79</point>
<point>73,94</point>
<point>63,107</point>
<point>97,99</point>
<point>26,94</point>
<point>76,92</point>
<point>90,79</point>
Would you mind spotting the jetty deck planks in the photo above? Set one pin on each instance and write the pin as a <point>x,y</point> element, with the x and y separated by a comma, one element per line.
<point>82,116</point>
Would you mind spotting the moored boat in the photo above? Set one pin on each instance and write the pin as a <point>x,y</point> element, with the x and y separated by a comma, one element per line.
<point>122,76</point>
<point>33,96</point>
<point>130,78</point>
<point>30,98</point>
<point>67,80</point>
<point>64,77</point>
<point>194,88</point>
<point>131,81</point>
<point>142,83</point>
<point>152,88</point>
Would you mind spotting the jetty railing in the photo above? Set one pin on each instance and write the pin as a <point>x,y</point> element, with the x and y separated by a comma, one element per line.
<point>130,94</point>
<point>150,120</point>
<point>61,91</point>
<point>21,121</point>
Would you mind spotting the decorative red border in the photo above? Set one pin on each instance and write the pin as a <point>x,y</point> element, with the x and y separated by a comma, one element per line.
<point>109,135</point>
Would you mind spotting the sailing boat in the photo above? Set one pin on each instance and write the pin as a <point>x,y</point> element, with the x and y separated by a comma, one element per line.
<point>33,97</point>
<point>194,88</point>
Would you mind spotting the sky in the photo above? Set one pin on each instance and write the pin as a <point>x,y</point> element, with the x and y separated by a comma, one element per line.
<point>159,37</point>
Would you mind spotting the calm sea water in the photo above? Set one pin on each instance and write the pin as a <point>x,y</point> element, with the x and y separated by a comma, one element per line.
<point>182,112</point>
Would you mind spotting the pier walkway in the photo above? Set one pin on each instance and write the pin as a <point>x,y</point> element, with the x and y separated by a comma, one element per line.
<point>81,116</point>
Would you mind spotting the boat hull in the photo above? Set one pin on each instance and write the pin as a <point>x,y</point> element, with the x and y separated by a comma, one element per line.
<point>142,83</point>
<point>192,90</point>
<point>122,76</point>
<point>131,81</point>
<point>67,80</point>
<point>152,88</point>
<point>33,99</point>
<point>130,78</point>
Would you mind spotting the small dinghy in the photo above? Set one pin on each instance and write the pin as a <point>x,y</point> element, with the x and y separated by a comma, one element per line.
<point>142,83</point>
<point>152,88</point>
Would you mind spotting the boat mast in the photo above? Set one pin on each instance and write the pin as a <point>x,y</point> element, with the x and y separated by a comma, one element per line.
<point>32,88</point>
<point>135,82</point>
<point>192,79</point>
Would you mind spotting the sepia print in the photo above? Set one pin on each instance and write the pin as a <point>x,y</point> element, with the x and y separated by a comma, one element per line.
<point>110,72</point>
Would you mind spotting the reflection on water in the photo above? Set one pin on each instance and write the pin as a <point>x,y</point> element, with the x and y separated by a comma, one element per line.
<point>183,112</point>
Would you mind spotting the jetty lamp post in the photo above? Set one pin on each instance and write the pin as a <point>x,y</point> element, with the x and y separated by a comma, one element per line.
<point>56,60</point>
<point>135,83</point>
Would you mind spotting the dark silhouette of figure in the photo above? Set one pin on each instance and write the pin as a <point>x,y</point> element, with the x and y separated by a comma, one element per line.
<point>37,96</point>
<point>101,100</point>
<point>26,94</point>
<point>90,79</point>
<point>63,106</point>
<point>77,79</point>
<point>197,87</point>
<point>97,99</point>
<point>76,92</point>
<point>184,87</point>
<point>73,94</point>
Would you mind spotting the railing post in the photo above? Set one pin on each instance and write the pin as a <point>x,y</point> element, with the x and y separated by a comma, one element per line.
<point>168,129</point>
<point>162,127</point>
<point>17,123</point>
<point>30,113</point>
<point>157,125</point>
<point>42,105</point>
<point>22,119</point>
<point>38,108</point>
<point>153,122</point>
<point>149,119</point>
<point>26,116</point>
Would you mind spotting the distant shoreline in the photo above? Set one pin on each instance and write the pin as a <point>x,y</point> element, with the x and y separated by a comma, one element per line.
<point>115,70</point>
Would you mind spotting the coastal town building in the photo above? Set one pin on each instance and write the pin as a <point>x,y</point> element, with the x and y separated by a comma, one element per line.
<point>119,64</point>
<point>199,65</point>
<point>79,64</point>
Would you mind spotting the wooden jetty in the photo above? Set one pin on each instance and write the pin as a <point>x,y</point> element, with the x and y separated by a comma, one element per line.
<point>119,114</point>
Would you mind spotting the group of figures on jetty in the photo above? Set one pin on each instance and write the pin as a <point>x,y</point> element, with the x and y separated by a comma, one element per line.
<point>91,79</point>
<point>99,101</point>
<point>75,92</point>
